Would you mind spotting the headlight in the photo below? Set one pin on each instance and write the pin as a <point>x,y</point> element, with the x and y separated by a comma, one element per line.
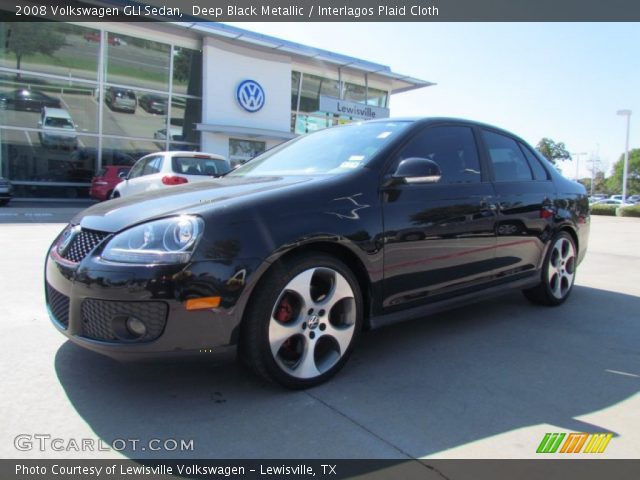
<point>171,240</point>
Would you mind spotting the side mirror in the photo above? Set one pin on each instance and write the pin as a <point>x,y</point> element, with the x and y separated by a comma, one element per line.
<point>417,170</point>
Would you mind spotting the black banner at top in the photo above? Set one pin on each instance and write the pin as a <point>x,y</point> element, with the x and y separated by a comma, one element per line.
<point>322,10</point>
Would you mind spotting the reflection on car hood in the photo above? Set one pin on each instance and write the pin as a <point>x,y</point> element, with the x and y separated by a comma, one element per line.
<point>115,215</point>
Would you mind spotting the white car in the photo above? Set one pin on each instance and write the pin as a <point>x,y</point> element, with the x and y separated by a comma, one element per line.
<point>58,129</point>
<point>612,201</point>
<point>164,169</point>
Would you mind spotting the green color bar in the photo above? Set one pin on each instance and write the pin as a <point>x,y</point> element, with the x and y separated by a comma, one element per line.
<point>543,443</point>
<point>557,444</point>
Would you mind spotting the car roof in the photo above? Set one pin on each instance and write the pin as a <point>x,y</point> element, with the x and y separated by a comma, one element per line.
<point>56,112</point>
<point>462,121</point>
<point>187,153</point>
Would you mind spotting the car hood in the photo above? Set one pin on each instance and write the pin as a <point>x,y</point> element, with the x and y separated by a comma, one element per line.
<point>194,198</point>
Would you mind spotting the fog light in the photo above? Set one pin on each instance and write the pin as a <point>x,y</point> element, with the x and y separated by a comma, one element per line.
<point>136,327</point>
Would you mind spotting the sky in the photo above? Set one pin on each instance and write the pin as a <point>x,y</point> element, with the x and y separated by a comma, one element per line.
<point>565,81</point>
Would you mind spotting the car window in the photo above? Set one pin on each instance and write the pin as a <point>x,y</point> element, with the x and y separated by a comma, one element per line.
<point>136,170</point>
<point>199,166</point>
<point>509,164</point>
<point>58,122</point>
<point>539,172</point>
<point>453,148</point>
<point>152,165</point>
<point>332,151</point>
<point>122,172</point>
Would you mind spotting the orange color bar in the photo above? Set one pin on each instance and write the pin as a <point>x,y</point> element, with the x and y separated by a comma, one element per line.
<point>202,303</point>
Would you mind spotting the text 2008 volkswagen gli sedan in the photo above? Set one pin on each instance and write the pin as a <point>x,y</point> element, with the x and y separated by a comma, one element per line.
<point>291,255</point>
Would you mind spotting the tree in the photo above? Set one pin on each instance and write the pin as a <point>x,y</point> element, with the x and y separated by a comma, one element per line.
<point>614,182</point>
<point>553,151</point>
<point>24,39</point>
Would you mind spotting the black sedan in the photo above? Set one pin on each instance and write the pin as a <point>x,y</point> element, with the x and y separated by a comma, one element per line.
<point>290,256</point>
<point>27,100</point>
<point>153,104</point>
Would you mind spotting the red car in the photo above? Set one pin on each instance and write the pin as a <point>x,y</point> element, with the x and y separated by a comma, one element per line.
<point>105,181</point>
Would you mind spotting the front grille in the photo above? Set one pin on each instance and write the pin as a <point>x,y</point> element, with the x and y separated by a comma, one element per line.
<point>105,319</point>
<point>82,244</point>
<point>59,305</point>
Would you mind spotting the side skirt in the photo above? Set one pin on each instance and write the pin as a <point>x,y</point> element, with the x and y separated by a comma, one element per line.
<point>454,302</point>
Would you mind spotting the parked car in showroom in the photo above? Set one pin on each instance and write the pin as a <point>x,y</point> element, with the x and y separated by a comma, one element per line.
<point>6,191</point>
<point>58,129</point>
<point>290,256</point>
<point>106,179</point>
<point>27,100</point>
<point>121,99</point>
<point>165,169</point>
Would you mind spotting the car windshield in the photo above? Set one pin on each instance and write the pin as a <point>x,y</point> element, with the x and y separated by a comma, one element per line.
<point>58,122</point>
<point>326,152</point>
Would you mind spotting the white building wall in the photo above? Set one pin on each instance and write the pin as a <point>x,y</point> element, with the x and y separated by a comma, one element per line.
<point>225,66</point>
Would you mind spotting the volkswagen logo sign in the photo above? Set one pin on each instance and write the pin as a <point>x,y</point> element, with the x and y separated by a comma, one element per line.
<point>250,95</point>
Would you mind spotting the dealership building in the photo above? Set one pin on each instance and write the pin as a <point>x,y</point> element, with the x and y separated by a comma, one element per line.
<point>126,90</point>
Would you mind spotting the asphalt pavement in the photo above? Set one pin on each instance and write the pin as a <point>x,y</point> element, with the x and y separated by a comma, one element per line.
<point>483,381</point>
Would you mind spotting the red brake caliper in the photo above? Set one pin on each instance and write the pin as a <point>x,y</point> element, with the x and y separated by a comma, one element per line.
<point>284,312</point>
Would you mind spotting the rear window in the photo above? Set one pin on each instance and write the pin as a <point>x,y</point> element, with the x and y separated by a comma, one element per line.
<point>58,122</point>
<point>127,94</point>
<point>199,166</point>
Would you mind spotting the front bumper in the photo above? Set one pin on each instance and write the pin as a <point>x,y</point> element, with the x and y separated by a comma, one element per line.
<point>89,301</point>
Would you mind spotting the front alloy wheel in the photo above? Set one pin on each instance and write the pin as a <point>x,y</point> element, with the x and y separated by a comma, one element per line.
<point>558,273</point>
<point>301,326</point>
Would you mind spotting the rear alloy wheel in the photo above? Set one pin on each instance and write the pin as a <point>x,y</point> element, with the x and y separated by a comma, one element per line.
<point>558,274</point>
<point>301,325</point>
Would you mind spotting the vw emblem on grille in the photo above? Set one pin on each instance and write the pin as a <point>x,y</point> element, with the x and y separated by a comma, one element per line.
<point>67,237</point>
<point>250,95</point>
<point>313,322</point>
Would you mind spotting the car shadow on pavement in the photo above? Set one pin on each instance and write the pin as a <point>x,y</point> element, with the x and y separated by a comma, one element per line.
<point>409,390</point>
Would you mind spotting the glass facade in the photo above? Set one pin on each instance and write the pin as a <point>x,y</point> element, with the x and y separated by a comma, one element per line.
<point>241,151</point>
<point>306,90</point>
<point>74,98</point>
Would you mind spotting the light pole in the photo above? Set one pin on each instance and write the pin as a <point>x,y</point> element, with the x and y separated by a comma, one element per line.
<point>578,162</point>
<point>625,170</point>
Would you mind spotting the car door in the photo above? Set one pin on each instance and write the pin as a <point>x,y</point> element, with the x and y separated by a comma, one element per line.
<point>525,196</point>
<point>138,178</point>
<point>439,237</point>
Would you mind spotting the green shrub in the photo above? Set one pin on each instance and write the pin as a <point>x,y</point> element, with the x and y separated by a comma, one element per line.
<point>603,210</point>
<point>633,211</point>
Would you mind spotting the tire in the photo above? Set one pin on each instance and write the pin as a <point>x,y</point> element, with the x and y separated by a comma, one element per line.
<point>302,321</point>
<point>558,272</point>
<point>115,194</point>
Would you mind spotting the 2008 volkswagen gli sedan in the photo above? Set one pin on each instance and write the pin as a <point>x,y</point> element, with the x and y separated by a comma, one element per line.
<point>290,256</point>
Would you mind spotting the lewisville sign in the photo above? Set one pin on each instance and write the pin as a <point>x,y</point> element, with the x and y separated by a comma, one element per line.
<point>351,109</point>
